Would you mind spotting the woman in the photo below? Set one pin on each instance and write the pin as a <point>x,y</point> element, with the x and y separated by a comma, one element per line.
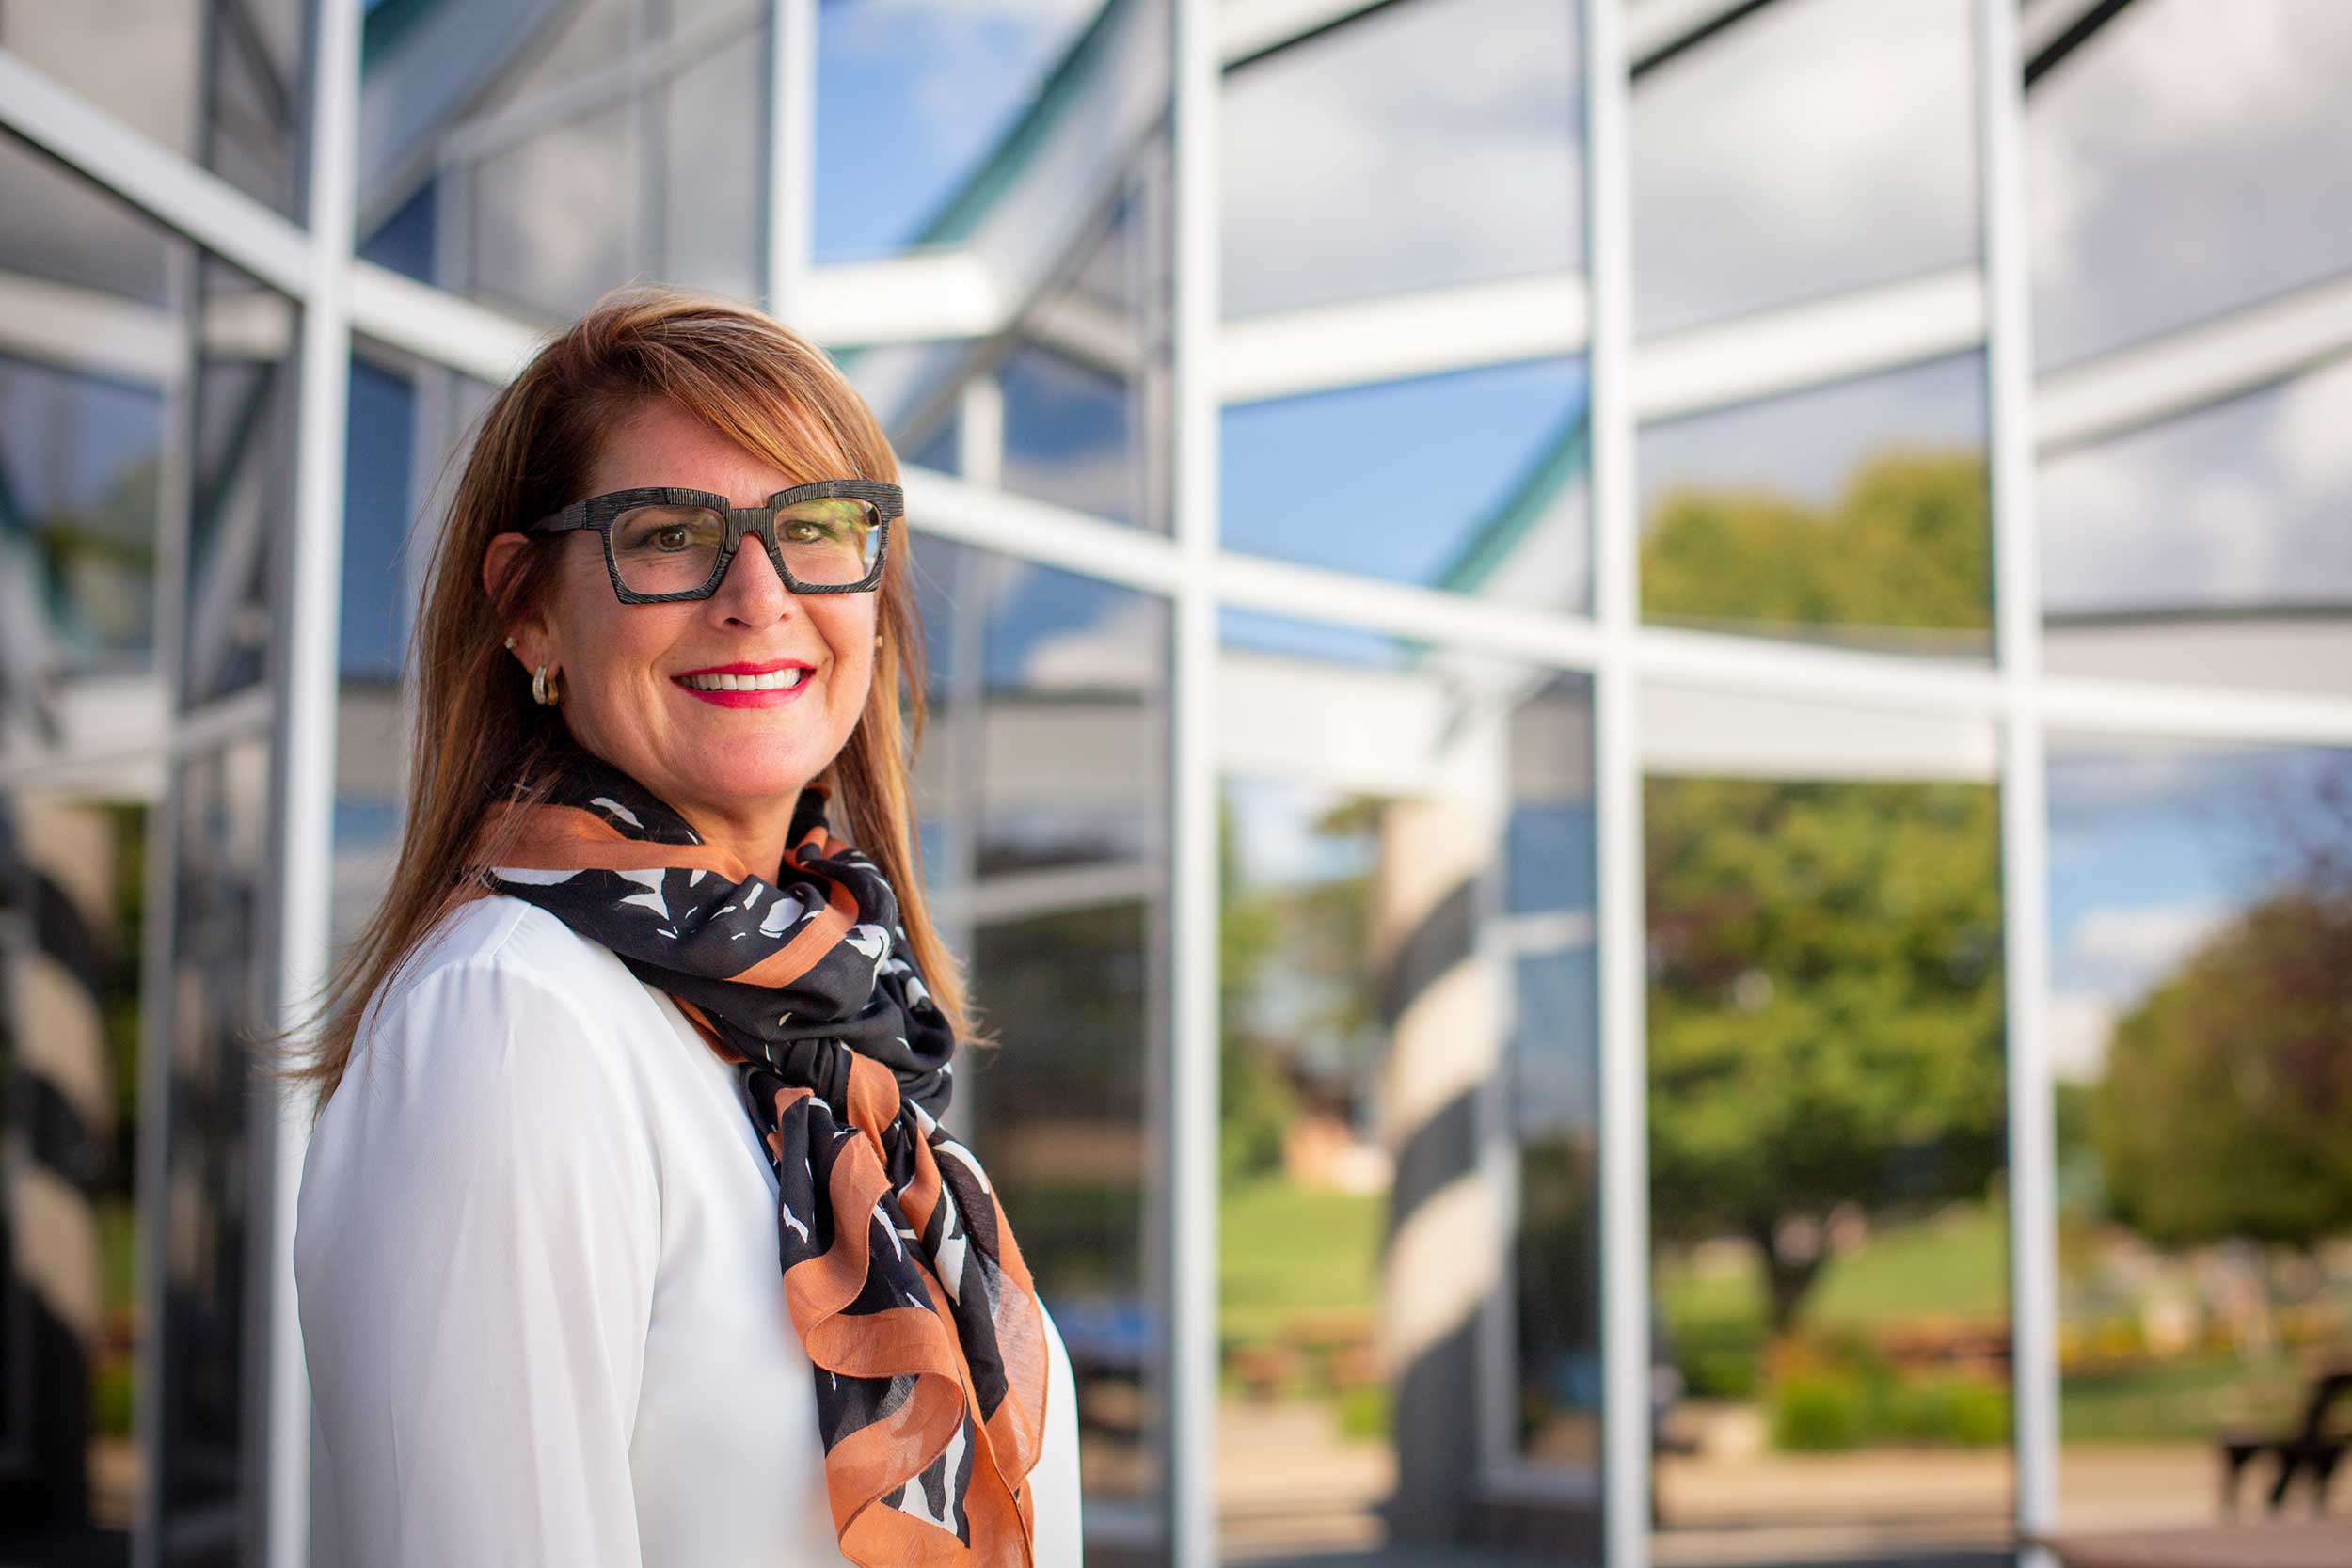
<point>627,1234</point>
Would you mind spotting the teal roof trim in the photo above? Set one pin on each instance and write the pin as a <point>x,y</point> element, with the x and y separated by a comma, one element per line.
<point>1567,454</point>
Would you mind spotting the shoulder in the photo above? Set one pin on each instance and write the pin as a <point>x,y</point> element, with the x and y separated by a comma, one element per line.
<point>504,936</point>
<point>500,1053</point>
<point>509,954</point>
<point>500,988</point>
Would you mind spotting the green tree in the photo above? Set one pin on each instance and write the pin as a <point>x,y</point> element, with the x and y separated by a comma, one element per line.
<point>2226,1109</point>
<point>1906,544</point>
<point>1825,1006</point>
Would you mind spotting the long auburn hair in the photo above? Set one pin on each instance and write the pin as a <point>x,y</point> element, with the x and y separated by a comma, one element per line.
<point>476,734</point>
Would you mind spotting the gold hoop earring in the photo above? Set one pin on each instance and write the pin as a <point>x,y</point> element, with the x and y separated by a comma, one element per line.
<point>878,640</point>
<point>542,688</point>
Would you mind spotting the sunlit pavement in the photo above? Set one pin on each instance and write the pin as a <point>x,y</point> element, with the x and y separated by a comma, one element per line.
<point>1293,1491</point>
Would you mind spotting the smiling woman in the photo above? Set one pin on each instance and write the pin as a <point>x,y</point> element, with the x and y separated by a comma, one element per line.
<point>633,1008</point>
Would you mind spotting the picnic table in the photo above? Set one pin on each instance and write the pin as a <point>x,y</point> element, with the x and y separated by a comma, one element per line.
<point>2270,1544</point>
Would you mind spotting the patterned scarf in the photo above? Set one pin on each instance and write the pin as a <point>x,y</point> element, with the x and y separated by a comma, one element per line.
<point>904,1281</point>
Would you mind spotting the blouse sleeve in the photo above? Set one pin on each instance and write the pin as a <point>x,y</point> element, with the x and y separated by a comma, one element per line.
<point>1061,1527</point>
<point>476,1238</point>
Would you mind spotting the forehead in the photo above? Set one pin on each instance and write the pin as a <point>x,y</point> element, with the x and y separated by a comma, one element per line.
<point>663,443</point>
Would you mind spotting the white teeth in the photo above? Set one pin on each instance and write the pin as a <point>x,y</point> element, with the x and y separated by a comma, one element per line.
<point>775,680</point>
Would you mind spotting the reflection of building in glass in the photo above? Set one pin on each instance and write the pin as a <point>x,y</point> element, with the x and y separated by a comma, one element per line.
<point>1617,694</point>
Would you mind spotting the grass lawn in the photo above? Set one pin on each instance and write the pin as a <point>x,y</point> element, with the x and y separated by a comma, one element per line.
<point>1953,1265</point>
<point>2186,1401</point>
<point>1283,1249</point>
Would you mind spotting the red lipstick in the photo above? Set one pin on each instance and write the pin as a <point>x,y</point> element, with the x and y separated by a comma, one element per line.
<point>739,684</point>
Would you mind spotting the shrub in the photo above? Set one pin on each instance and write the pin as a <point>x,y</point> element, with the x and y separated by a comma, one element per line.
<point>1819,1411</point>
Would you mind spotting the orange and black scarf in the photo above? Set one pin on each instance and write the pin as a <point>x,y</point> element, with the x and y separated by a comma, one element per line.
<point>902,1276</point>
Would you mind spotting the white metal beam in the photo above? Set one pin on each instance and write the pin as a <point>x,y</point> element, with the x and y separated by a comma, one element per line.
<point>1624,938</point>
<point>2194,367</point>
<point>1812,344</point>
<point>791,175</point>
<point>1040,531</point>
<point>1285,352</point>
<point>89,330</point>
<point>310,622</point>
<point>906,299</point>
<point>2184,713</point>
<point>439,326</point>
<point>2025,814</point>
<point>1188,1149</point>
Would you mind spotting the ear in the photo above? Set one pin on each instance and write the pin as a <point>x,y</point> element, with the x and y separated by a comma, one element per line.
<point>530,634</point>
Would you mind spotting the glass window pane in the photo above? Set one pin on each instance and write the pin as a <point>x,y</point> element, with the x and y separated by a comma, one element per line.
<point>1827,1124</point>
<point>63,229</point>
<point>72,1330</point>
<point>80,471</point>
<point>1855,514</point>
<point>2170,162</point>
<point>1477,481</point>
<point>2200,928</point>
<point>240,511</point>
<point>137,59</point>
<point>1808,148</point>
<point>1042,789</point>
<point>916,99</point>
<point>1345,154</point>
<point>1079,389</point>
<point>2209,548</point>
<point>143,62</point>
<point>216,1172</point>
<point>1407,906</point>
<point>552,216</point>
<point>536,155</point>
<point>714,208</point>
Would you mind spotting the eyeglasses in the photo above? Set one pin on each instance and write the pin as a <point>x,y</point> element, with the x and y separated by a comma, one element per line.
<point>663,544</point>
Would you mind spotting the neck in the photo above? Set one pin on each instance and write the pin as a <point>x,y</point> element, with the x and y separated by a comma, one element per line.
<point>758,840</point>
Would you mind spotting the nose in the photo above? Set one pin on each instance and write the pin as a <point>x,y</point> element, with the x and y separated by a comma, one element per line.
<point>752,594</point>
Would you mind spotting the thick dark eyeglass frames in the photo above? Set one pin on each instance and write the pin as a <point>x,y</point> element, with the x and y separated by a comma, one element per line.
<point>663,544</point>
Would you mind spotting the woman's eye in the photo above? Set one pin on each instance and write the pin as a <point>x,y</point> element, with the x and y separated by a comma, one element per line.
<point>671,538</point>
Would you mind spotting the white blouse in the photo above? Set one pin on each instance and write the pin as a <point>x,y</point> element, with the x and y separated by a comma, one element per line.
<point>535,1254</point>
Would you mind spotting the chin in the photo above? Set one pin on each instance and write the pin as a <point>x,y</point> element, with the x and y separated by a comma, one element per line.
<point>764,769</point>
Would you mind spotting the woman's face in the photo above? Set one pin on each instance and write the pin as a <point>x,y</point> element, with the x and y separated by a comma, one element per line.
<point>732,762</point>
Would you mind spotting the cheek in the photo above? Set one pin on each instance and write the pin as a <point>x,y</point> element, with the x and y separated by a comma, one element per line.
<point>849,634</point>
<point>615,649</point>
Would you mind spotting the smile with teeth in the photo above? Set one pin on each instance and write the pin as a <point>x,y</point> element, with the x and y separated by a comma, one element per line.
<point>775,680</point>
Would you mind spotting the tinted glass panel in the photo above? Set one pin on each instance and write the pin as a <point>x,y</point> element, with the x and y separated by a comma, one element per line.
<point>72,896</point>
<point>1042,790</point>
<point>1477,481</point>
<point>2159,195</point>
<point>215,1166</point>
<point>1853,514</point>
<point>1827,1118</point>
<point>916,98</point>
<point>1808,148</point>
<point>2201,927</point>
<point>1345,154</point>
<point>537,154</point>
<point>1405,906</point>
<point>239,512</point>
<point>2209,548</point>
<point>80,469</point>
<point>1082,390</point>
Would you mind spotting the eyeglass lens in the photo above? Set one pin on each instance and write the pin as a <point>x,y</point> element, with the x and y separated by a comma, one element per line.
<point>673,550</point>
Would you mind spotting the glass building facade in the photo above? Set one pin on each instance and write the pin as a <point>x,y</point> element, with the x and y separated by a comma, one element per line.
<point>1803,1027</point>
